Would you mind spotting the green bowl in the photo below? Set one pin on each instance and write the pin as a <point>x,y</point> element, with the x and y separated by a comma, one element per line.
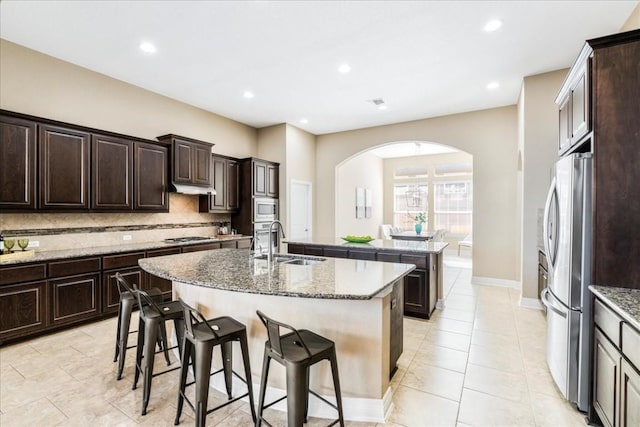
<point>357,239</point>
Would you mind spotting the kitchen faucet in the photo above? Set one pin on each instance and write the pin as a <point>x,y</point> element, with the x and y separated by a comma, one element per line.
<point>270,248</point>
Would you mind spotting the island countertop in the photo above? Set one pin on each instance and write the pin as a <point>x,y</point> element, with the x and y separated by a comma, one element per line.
<point>400,246</point>
<point>238,270</point>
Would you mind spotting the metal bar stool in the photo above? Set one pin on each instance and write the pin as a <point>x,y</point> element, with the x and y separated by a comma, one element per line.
<point>297,351</point>
<point>200,338</point>
<point>125,308</point>
<point>152,318</point>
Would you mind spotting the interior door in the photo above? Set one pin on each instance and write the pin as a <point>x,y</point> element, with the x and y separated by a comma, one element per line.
<point>301,206</point>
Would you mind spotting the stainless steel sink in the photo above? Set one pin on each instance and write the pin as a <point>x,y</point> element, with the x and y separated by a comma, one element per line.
<point>292,259</point>
<point>304,261</point>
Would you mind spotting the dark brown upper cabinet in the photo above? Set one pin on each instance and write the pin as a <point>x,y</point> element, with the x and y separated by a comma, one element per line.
<point>150,177</point>
<point>265,178</point>
<point>225,178</point>
<point>191,160</point>
<point>111,166</point>
<point>17,163</point>
<point>64,168</point>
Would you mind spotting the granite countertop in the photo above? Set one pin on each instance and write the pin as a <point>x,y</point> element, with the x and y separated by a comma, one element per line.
<point>111,249</point>
<point>401,246</point>
<point>237,270</point>
<point>624,301</point>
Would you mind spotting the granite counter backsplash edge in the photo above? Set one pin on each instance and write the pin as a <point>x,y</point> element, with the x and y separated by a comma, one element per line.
<point>74,230</point>
<point>624,301</point>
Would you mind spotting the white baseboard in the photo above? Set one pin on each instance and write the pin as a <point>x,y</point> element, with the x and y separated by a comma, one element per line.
<point>533,303</point>
<point>355,409</point>
<point>490,281</point>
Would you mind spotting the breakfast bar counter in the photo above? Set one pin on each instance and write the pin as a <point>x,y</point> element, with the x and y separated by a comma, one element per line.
<point>357,304</point>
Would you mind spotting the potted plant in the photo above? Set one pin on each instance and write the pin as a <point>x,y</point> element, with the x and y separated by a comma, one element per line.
<point>420,219</point>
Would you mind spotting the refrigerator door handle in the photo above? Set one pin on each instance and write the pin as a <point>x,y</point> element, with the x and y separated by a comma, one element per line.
<point>550,228</point>
<point>544,297</point>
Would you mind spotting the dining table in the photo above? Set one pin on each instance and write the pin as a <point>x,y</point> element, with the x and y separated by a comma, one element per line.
<point>412,235</point>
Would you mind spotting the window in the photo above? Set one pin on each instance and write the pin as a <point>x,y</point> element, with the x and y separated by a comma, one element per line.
<point>408,201</point>
<point>453,206</point>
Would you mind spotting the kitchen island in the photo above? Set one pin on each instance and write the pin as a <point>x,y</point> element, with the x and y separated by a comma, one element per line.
<point>355,303</point>
<point>423,287</point>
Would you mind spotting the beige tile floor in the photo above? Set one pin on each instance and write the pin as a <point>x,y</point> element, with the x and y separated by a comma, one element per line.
<point>478,362</point>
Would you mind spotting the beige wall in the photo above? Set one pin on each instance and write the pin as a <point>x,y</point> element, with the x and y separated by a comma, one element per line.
<point>633,22</point>
<point>539,145</point>
<point>429,160</point>
<point>489,135</point>
<point>40,85</point>
<point>365,171</point>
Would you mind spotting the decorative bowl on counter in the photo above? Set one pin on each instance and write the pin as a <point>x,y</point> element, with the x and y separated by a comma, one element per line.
<point>357,239</point>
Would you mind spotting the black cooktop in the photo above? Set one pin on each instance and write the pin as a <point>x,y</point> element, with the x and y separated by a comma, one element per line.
<point>186,239</point>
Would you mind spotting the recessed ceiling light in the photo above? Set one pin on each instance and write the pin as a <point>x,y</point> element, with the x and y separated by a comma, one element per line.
<point>248,94</point>
<point>382,107</point>
<point>344,68</point>
<point>493,85</point>
<point>147,47</point>
<point>493,25</point>
<point>303,121</point>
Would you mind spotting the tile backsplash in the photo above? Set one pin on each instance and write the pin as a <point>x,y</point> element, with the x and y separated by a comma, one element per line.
<point>183,219</point>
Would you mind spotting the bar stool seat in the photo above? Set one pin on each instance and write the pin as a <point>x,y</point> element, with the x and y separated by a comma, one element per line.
<point>126,305</point>
<point>297,350</point>
<point>152,318</point>
<point>200,338</point>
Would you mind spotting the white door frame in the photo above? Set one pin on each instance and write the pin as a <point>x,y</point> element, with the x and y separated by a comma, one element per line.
<point>309,186</point>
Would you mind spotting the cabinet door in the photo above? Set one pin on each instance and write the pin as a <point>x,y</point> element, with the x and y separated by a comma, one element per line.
<point>17,163</point>
<point>64,168</point>
<point>182,162</point>
<point>272,181</point>
<point>202,164</point>
<point>629,396</point>
<point>22,309</point>
<point>111,173</point>
<point>74,298</point>
<point>110,293</point>
<point>396,326</point>
<point>217,202</point>
<point>415,294</point>
<point>564,131</point>
<point>580,107</point>
<point>233,185</point>
<point>150,177</point>
<point>244,244</point>
<point>198,248</point>
<point>606,366</point>
<point>259,179</point>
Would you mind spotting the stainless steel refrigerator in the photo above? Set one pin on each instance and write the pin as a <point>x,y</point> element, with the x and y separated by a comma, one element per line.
<point>567,241</point>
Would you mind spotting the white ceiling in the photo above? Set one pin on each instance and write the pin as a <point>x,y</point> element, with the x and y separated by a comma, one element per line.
<point>411,148</point>
<point>424,58</point>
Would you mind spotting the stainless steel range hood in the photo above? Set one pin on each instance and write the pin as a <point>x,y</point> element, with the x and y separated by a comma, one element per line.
<point>190,189</point>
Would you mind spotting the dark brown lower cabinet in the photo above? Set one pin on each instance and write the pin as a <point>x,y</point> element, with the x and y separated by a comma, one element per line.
<point>415,294</point>
<point>110,293</point>
<point>22,309</point>
<point>203,247</point>
<point>244,244</point>
<point>420,285</point>
<point>74,298</point>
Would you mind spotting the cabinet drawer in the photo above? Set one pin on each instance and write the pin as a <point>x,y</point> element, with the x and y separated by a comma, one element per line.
<point>631,344</point>
<point>295,249</point>
<point>419,261</point>
<point>608,322</point>
<point>313,250</point>
<point>162,252</point>
<point>388,257</point>
<point>119,261</point>
<point>228,245</point>
<point>542,260</point>
<point>335,253</point>
<point>365,255</point>
<point>23,273</point>
<point>244,243</point>
<point>204,247</point>
<point>73,267</point>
